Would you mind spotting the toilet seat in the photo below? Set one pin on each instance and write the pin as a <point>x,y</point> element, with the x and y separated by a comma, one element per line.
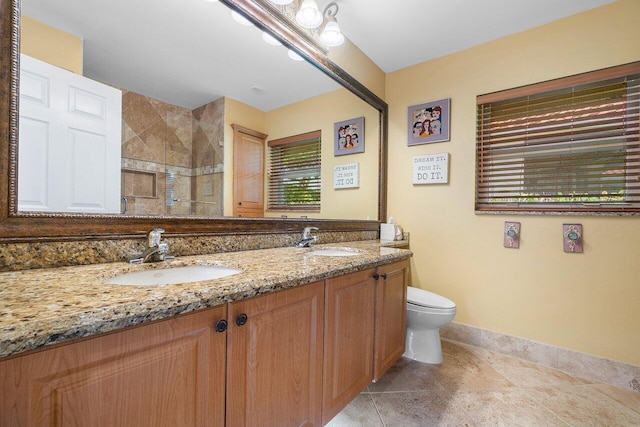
<point>423,298</point>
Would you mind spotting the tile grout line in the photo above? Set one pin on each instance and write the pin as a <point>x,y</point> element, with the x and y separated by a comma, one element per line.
<point>377,410</point>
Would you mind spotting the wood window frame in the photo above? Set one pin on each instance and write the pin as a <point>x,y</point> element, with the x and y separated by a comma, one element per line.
<point>538,151</point>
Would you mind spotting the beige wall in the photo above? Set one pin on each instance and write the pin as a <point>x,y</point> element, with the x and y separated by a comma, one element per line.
<point>587,302</point>
<point>349,57</point>
<point>321,112</point>
<point>51,45</point>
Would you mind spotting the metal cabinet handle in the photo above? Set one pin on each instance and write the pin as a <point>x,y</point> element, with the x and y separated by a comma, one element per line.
<point>221,325</point>
<point>241,319</point>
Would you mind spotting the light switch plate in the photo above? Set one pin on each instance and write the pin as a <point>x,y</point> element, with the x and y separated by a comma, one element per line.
<point>572,238</point>
<point>511,235</point>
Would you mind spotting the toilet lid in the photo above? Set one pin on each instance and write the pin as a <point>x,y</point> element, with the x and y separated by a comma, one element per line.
<point>427,299</point>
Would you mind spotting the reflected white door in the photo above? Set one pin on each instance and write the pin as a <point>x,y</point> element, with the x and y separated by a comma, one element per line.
<point>69,143</point>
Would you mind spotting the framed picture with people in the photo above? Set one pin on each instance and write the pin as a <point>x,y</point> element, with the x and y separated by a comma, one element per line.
<point>348,136</point>
<point>429,122</point>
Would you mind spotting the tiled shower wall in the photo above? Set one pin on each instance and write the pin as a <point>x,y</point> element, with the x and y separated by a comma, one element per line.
<point>172,157</point>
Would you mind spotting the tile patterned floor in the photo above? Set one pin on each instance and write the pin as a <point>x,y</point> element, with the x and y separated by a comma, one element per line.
<point>477,387</point>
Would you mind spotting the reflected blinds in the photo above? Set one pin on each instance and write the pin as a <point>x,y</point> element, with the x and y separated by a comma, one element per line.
<point>570,144</point>
<point>294,172</point>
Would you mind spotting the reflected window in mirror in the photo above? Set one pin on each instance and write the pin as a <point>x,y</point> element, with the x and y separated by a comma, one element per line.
<point>295,181</point>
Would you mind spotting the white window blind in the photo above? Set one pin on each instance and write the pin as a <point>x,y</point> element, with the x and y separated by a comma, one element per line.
<point>570,144</point>
<point>294,172</point>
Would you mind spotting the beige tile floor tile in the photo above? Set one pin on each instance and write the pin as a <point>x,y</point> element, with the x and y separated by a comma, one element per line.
<point>477,387</point>
<point>583,406</point>
<point>361,412</point>
<point>526,374</point>
<point>506,407</point>
<point>419,409</point>
<point>628,398</point>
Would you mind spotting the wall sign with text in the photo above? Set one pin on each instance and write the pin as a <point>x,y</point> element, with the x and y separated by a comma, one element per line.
<point>431,168</point>
<point>346,176</point>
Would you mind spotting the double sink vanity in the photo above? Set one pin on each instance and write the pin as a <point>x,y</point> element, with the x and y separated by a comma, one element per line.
<point>283,336</point>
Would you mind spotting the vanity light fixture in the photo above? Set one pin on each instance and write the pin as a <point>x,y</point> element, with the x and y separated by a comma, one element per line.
<point>331,35</point>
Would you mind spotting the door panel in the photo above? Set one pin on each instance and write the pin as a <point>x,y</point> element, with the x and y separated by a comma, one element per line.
<point>69,156</point>
<point>274,374</point>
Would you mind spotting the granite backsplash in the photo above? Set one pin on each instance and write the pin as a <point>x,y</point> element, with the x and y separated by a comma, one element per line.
<point>25,256</point>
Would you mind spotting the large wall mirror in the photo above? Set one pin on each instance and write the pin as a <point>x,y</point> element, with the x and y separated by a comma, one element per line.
<point>175,166</point>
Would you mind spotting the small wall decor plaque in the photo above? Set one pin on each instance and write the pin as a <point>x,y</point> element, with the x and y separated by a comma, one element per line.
<point>346,176</point>
<point>431,168</point>
<point>429,122</point>
<point>348,136</point>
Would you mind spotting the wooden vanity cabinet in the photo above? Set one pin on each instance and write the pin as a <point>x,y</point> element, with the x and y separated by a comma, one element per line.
<point>295,357</point>
<point>349,339</point>
<point>391,315</point>
<point>168,373</point>
<point>274,354</point>
<point>365,329</point>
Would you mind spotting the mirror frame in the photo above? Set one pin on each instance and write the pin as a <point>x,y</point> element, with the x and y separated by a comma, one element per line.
<point>29,227</point>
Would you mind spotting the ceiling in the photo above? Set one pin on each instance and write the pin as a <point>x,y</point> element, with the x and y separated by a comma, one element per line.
<point>190,52</point>
<point>400,33</point>
<point>185,52</point>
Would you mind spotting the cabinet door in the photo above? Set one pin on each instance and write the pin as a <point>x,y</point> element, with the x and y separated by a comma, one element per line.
<point>274,371</point>
<point>169,373</point>
<point>348,344</point>
<point>391,316</point>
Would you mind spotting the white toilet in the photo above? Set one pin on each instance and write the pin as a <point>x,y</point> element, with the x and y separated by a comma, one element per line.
<point>426,314</point>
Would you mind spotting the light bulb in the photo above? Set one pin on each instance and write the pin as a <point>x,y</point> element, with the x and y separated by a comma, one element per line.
<point>331,35</point>
<point>281,2</point>
<point>309,16</point>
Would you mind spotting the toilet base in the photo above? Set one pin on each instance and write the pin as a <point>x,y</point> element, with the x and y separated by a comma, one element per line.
<point>423,346</point>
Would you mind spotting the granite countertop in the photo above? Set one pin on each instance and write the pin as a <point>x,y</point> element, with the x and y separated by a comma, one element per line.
<point>49,306</point>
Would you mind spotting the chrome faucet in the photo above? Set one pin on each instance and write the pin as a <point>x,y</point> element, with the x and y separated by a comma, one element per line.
<point>307,238</point>
<point>156,250</point>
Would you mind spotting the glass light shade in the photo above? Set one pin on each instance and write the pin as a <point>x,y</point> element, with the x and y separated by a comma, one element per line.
<point>240,19</point>
<point>270,39</point>
<point>281,2</point>
<point>294,55</point>
<point>309,16</point>
<point>331,35</point>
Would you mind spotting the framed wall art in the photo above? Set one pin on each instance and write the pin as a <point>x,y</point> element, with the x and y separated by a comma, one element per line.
<point>348,136</point>
<point>429,122</point>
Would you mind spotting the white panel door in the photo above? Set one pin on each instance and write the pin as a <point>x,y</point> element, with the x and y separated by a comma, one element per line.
<point>69,141</point>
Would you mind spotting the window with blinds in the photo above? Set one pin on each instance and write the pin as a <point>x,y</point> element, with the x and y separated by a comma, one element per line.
<point>294,172</point>
<point>569,145</point>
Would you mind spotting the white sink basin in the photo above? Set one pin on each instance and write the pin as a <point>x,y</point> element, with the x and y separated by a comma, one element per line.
<point>173,275</point>
<point>334,252</point>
